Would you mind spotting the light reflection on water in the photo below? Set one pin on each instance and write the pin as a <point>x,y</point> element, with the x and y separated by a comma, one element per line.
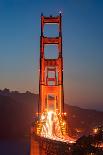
<point>14,147</point>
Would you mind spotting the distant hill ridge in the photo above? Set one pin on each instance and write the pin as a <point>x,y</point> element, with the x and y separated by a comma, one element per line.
<point>17,111</point>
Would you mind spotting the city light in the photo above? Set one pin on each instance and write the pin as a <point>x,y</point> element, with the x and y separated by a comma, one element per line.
<point>95,130</point>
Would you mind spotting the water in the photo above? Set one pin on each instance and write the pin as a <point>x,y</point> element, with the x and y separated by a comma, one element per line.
<point>14,147</point>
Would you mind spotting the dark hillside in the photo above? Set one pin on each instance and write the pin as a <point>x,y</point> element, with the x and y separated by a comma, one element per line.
<point>17,111</point>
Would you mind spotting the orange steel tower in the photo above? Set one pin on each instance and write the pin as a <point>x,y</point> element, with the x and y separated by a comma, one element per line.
<point>51,70</point>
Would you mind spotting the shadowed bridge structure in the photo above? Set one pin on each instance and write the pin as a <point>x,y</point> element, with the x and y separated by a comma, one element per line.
<point>49,132</point>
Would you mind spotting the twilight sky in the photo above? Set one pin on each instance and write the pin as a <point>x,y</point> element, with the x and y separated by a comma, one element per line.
<point>82,47</point>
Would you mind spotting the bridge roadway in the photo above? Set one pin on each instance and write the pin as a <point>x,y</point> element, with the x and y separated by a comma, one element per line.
<point>45,146</point>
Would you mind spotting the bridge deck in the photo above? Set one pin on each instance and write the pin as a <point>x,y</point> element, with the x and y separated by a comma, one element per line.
<point>44,146</point>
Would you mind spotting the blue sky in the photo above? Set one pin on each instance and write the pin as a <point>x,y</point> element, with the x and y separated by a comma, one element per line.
<point>82,27</point>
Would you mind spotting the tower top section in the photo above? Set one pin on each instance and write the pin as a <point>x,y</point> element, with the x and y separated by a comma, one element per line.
<point>51,20</point>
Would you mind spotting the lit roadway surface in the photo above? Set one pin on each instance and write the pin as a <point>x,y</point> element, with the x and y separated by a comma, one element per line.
<point>51,128</point>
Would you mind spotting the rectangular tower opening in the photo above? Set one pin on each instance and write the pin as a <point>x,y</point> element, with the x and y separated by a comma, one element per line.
<point>51,52</point>
<point>51,102</point>
<point>51,30</point>
<point>51,76</point>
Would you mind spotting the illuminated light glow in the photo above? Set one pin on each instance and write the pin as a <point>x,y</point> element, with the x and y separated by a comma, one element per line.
<point>64,123</point>
<point>43,117</point>
<point>95,130</point>
<point>101,145</point>
<point>65,113</point>
<point>51,127</point>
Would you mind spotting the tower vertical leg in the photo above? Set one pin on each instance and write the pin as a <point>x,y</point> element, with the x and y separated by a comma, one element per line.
<point>34,147</point>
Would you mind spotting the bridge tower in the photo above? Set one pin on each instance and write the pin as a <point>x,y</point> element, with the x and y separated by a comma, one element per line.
<point>51,92</point>
<point>52,120</point>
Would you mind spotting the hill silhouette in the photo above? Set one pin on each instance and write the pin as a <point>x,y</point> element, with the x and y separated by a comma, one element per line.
<point>17,111</point>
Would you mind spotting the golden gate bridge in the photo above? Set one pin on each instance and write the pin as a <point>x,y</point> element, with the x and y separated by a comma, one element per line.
<point>49,133</point>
